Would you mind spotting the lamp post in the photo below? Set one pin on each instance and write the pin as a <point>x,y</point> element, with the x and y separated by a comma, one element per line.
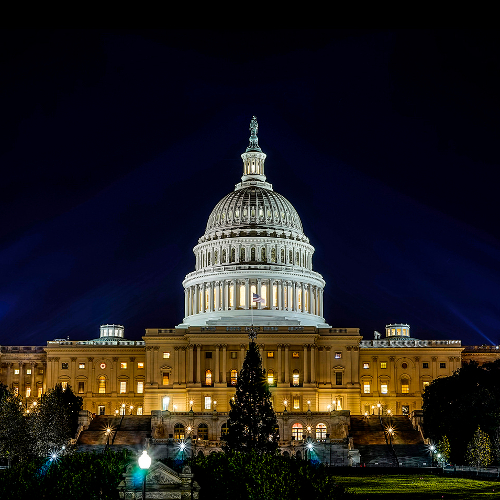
<point>432,449</point>
<point>144,464</point>
<point>390,431</point>
<point>108,433</point>
<point>379,406</point>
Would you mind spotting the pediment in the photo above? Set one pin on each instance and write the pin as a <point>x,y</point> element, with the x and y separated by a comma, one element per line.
<point>158,474</point>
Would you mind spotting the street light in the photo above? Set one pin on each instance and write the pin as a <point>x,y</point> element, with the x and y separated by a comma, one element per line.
<point>378,406</point>
<point>432,449</point>
<point>108,433</point>
<point>390,431</point>
<point>144,464</point>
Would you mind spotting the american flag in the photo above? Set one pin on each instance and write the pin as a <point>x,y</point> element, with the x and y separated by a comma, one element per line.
<point>258,298</point>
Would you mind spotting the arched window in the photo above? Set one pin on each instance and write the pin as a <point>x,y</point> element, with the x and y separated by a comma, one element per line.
<point>297,432</point>
<point>321,431</point>
<point>405,386</point>
<point>102,385</point>
<point>252,254</point>
<point>233,254</point>
<point>234,377</point>
<point>273,254</point>
<point>215,256</point>
<point>203,431</point>
<point>179,431</point>
<point>208,377</point>
<point>263,254</point>
<point>242,255</point>
<point>282,255</point>
<point>295,378</point>
<point>270,377</point>
<point>224,430</point>
<point>223,256</point>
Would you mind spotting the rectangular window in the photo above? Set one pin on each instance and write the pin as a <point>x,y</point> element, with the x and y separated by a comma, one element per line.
<point>383,364</point>
<point>296,402</point>
<point>165,402</point>
<point>16,371</point>
<point>40,371</point>
<point>140,365</point>
<point>166,379</point>
<point>139,410</point>
<point>405,388</point>
<point>28,391</point>
<point>270,354</point>
<point>231,296</point>
<point>40,389</point>
<point>242,295</point>
<point>101,410</point>
<point>102,385</point>
<point>366,387</point>
<point>338,355</point>
<point>366,365</point>
<point>208,403</point>
<point>208,355</point>
<point>234,355</point>
<point>123,366</point>
<point>64,366</point>
<point>275,296</point>
<point>166,355</point>
<point>81,387</point>
<point>64,385</point>
<point>123,387</point>
<point>28,371</point>
<point>81,366</point>
<point>338,378</point>
<point>425,365</point>
<point>140,387</point>
<point>383,388</point>
<point>295,354</point>
<point>442,365</point>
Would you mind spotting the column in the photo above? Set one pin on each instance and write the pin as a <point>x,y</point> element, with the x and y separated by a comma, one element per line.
<point>434,367</point>
<point>73,375</point>
<point>225,292</point>
<point>217,296</point>
<point>203,302</point>
<point>306,374</point>
<point>313,363</point>
<point>114,375</point>
<point>211,298</point>
<point>280,368</point>
<point>156,364</point>
<point>186,302</point>
<point>376,381</point>
<point>224,367</point>
<point>417,384</point>
<point>248,298</point>
<point>217,368</point>
<point>355,359</point>
<point>235,295</point>
<point>303,298</point>
<point>198,363</point>
<point>280,295</point>
<point>328,378</point>
<point>259,293</point>
<point>310,292</point>
<point>348,366</point>
<point>190,364</point>
<point>93,381</point>
<point>196,300</point>
<point>294,303</point>
<point>287,374</point>
<point>133,383</point>
<point>9,375</point>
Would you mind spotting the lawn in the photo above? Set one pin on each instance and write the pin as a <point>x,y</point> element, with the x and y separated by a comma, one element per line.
<point>419,487</point>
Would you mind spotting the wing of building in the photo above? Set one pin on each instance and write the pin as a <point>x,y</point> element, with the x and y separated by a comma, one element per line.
<point>253,268</point>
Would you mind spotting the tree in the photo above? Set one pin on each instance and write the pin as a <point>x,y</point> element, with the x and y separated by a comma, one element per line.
<point>479,449</point>
<point>55,420</point>
<point>444,449</point>
<point>252,423</point>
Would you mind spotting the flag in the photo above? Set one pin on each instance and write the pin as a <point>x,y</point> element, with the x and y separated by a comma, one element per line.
<point>258,298</point>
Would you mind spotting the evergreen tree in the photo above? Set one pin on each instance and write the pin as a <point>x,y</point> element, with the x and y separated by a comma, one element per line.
<point>15,441</point>
<point>252,422</point>
<point>444,449</point>
<point>479,450</point>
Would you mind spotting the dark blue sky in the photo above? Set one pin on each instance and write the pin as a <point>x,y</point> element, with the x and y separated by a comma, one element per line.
<point>116,145</point>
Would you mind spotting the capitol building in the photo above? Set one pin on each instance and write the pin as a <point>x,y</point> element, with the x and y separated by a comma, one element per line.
<point>253,270</point>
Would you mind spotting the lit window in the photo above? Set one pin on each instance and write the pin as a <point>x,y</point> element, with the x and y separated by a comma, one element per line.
<point>28,391</point>
<point>297,432</point>
<point>442,365</point>
<point>81,387</point>
<point>139,410</point>
<point>16,371</point>
<point>203,432</point>
<point>383,364</point>
<point>208,377</point>
<point>101,410</point>
<point>28,371</point>
<point>242,294</point>
<point>270,354</point>
<point>426,384</point>
<point>166,355</point>
<point>81,366</point>
<point>234,377</point>
<point>338,355</point>
<point>40,391</point>
<point>165,402</point>
<point>166,379</point>
<point>64,385</point>
<point>366,387</point>
<point>405,386</point>
<point>123,366</point>
<point>321,431</point>
<point>296,402</point>
<point>102,385</point>
<point>383,389</point>
<point>366,365</point>
<point>338,378</point>
<point>40,371</point>
<point>123,387</point>
<point>224,430</point>
<point>179,431</point>
<point>140,365</point>
<point>208,403</point>
<point>295,354</point>
<point>140,387</point>
<point>295,378</point>
<point>270,377</point>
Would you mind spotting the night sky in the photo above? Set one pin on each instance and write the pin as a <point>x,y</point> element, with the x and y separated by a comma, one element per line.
<point>115,145</point>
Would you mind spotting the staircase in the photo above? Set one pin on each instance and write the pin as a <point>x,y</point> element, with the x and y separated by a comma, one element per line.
<point>408,444</point>
<point>126,431</point>
<point>369,438</point>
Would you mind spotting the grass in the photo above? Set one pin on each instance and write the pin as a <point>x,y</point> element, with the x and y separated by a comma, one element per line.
<point>419,487</point>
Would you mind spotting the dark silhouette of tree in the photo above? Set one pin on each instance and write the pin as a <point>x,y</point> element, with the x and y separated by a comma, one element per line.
<point>15,442</point>
<point>252,423</point>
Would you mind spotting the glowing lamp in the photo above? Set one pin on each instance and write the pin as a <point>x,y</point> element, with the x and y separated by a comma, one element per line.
<point>144,460</point>
<point>309,446</point>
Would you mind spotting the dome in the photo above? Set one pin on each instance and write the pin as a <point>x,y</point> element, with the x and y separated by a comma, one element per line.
<point>254,208</point>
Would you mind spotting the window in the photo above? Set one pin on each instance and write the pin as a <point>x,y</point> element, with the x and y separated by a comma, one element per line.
<point>179,432</point>
<point>338,355</point>
<point>234,355</point>
<point>16,371</point>
<point>208,355</point>
<point>40,371</point>
<point>297,432</point>
<point>338,378</point>
<point>140,365</point>
<point>64,385</point>
<point>270,377</point>
<point>123,366</point>
<point>64,366</point>
<point>295,354</point>
<point>366,387</point>
<point>102,385</point>
<point>224,430</point>
<point>140,387</point>
<point>296,402</point>
<point>234,377</point>
<point>139,410</point>
<point>442,365</point>
<point>166,355</point>
<point>208,402</point>
<point>383,364</point>
<point>81,366</point>
<point>103,366</point>
<point>270,354</point>
<point>404,366</point>
<point>426,384</point>
<point>40,391</point>
<point>28,371</point>
<point>366,365</point>
<point>405,386</point>
<point>81,387</point>
<point>166,379</point>
<point>321,431</point>
<point>123,387</point>
<point>203,431</point>
<point>208,377</point>
<point>165,402</point>
<point>383,388</point>
<point>101,410</point>
<point>425,365</point>
<point>295,378</point>
<point>28,391</point>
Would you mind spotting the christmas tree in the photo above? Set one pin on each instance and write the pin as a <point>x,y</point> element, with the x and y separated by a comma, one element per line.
<point>252,422</point>
<point>479,449</point>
